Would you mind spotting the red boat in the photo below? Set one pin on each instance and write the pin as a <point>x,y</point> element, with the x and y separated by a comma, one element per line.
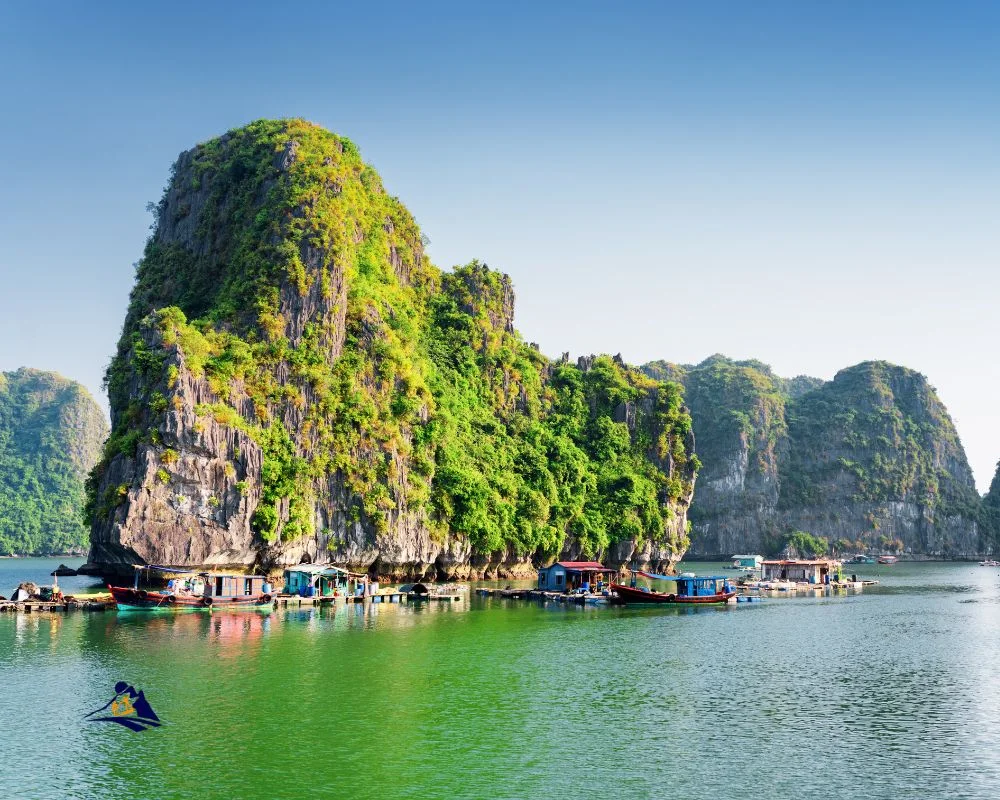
<point>189,591</point>
<point>690,590</point>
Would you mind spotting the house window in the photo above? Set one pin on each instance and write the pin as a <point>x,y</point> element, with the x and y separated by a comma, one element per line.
<point>559,579</point>
<point>218,586</point>
<point>247,586</point>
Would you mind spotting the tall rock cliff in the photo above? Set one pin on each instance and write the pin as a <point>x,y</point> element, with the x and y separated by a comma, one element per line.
<point>296,381</point>
<point>870,460</point>
<point>738,409</point>
<point>51,432</point>
<point>991,507</point>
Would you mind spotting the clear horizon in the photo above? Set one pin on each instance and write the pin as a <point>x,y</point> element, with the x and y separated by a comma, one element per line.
<point>811,187</point>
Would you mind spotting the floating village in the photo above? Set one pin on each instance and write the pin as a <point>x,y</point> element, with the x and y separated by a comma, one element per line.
<point>750,578</point>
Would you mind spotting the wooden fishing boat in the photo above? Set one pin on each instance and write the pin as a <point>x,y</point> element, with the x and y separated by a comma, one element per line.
<point>186,590</point>
<point>691,590</point>
<point>887,559</point>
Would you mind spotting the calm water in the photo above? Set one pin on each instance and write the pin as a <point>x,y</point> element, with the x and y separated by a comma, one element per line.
<point>891,693</point>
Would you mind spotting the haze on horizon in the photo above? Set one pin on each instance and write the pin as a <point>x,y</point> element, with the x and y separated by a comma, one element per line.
<point>809,186</point>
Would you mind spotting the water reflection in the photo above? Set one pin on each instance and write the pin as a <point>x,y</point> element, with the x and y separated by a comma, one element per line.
<point>886,694</point>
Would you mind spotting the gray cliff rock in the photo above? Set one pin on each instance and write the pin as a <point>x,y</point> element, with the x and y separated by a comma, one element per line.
<point>870,461</point>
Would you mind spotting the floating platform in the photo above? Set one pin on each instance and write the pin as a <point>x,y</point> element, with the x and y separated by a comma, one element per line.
<point>382,597</point>
<point>52,606</point>
<point>539,594</point>
<point>432,598</point>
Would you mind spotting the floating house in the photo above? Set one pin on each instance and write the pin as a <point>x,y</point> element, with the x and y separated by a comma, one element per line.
<point>320,580</point>
<point>747,562</point>
<point>568,576</point>
<point>816,570</point>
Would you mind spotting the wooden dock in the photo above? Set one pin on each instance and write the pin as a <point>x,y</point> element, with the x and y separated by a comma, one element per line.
<point>382,597</point>
<point>52,606</point>
<point>539,594</point>
<point>433,598</point>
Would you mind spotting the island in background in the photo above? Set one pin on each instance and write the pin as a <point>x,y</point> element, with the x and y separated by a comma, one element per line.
<point>867,462</point>
<point>51,432</point>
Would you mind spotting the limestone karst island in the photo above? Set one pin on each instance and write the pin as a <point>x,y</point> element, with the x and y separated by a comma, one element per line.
<point>659,459</point>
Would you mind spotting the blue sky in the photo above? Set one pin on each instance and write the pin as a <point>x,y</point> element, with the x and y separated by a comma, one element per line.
<point>810,184</point>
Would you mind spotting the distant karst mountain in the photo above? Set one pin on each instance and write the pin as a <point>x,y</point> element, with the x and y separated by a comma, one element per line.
<point>296,381</point>
<point>991,506</point>
<point>51,432</point>
<point>870,460</point>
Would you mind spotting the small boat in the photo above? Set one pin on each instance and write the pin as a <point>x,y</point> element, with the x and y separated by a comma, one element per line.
<point>989,563</point>
<point>690,590</point>
<point>186,590</point>
<point>861,558</point>
<point>887,559</point>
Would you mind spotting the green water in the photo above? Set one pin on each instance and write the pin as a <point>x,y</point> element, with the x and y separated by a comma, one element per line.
<point>887,694</point>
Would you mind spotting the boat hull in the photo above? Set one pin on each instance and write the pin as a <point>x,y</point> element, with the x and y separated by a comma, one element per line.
<point>127,598</point>
<point>630,596</point>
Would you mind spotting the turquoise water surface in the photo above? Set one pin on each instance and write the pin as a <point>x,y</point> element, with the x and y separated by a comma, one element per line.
<point>886,694</point>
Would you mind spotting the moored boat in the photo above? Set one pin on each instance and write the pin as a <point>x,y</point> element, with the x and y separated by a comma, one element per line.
<point>691,590</point>
<point>187,590</point>
<point>887,559</point>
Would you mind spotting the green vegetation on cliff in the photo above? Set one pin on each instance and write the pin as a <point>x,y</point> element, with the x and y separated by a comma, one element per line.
<point>885,427</point>
<point>51,432</point>
<point>283,275</point>
<point>869,460</point>
<point>731,401</point>
<point>521,460</point>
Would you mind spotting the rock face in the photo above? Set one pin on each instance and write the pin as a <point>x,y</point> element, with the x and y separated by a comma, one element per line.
<point>991,507</point>
<point>297,382</point>
<point>51,432</point>
<point>870,461</point>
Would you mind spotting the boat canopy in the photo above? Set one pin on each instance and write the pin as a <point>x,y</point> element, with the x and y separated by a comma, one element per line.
<point>656,576</point>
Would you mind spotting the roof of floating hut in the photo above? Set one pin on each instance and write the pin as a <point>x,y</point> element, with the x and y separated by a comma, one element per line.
<point>320,569</point>
<point>582,566</point>
<point>802,562</point>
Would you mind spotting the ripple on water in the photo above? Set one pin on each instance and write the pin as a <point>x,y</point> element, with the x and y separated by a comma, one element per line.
<point>886,694</point>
